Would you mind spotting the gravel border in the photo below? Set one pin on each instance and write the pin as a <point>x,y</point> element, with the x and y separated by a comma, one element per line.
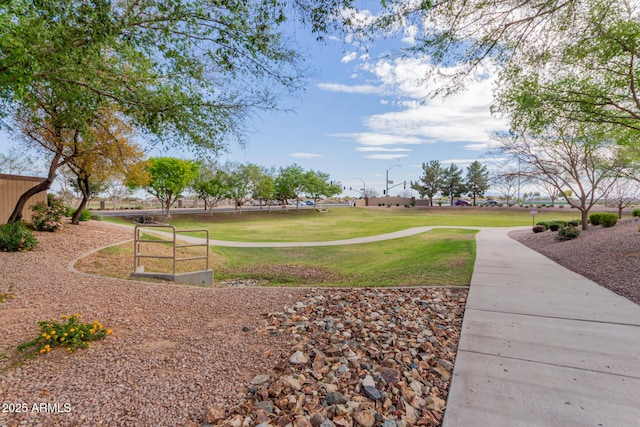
<point>608,256</point>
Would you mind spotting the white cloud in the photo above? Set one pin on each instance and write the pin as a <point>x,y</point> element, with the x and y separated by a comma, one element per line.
<point>305,155</point>
<point>380,139</point>
<point>410,34</point>
<point>349,57</point>
<point>385,149</point>
<point>386,156</point>
<point>337,87</point>
<point>457,162</point>
<point>477,147</point>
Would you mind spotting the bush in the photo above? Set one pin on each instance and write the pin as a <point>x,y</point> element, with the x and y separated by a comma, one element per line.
<point>608,220</point>
<point>575,222</point>
<point>636,212</point>
<point>48,217</point>
<point>539,228</point>
<point>605,219</point>
<point>85,215</point>
<point>544,224</point>
<point>16,237</point>
<point>96,217</point>
<point>69,211</point>
<point>554,227</point>
<point>71,335</point>
<point>568,232</point>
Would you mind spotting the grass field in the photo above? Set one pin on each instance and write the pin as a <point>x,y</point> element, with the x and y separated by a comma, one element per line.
<point>441,257</point>
<point>346,223</point>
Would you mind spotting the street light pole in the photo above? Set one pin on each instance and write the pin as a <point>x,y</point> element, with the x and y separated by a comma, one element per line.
<point>387,183</point>
<point>364,186</point>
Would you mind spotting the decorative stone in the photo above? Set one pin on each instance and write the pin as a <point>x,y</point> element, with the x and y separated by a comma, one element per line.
<point>298,358</point>
<point>260,379</point>
<point>365,418</point>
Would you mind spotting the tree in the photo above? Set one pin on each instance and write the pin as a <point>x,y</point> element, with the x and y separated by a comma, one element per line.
<point>578,160</point>
<point>15,162</point>
<point>185,72</point>
<point>116,190</point>
<point>477,180</point>
<point>111,153</point>
<point>552,191</point>
<point>431,181</point>
<point>264,187</point>
<point>239,182</point>
<point>211,185</point>
<point>623,192</point>
<point>317,185</point>
<point>452,184</point>
<point>506,184</point>
<point>289,184</point>
<point>165,178</point>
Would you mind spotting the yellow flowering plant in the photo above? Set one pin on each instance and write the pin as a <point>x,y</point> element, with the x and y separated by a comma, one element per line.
<point>70,335</point>
<point>7,295</point>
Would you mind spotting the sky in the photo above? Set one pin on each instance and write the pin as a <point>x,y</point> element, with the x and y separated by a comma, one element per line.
<point>364,115</point>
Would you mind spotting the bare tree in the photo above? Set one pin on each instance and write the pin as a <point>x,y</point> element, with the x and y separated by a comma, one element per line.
<point>552,191</point>
<point>116,191</point>
<point>623,192</point>
<point>565,157</point>
<point>506,183</point>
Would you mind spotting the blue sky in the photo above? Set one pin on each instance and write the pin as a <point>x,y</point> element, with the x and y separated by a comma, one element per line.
<point>362,114</point>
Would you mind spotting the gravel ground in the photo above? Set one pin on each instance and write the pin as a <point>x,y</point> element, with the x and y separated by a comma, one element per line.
<point>175,353</point>
<point>608,256</point>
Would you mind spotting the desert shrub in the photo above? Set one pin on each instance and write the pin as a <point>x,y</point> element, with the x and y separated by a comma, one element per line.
<point>636,212</point>
<point>608,219</point>
<point>70,335</point>
<point>48,216</point>
<point>575,222</point>
<point>68,211</point>
<point>16,237</point>
<point>568,232</point>
<point>539,228</point>
<point>85,215</point>
<point>554,226</point>
<point>544,224</point>
<point>594,218</point>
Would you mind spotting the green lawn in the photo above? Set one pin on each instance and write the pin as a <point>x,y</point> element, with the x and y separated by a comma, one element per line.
<point>346,223</point>
<point>441,257</point>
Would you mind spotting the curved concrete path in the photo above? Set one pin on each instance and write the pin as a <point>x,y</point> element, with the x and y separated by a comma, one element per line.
<point>542,346</point>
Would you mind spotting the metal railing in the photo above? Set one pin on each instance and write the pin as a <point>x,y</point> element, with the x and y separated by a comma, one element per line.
<point>137,255</point>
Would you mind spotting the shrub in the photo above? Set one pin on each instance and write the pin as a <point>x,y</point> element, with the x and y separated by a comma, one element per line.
<point>636,212</point>
<point>568,232</point>
<point>575,222</point>
<point>594,218</point>
<point>539,228</point>
<point>48,217</point>
<point>561,206</point>
<point>85,215</point>
<point>397,204</point>
<point>16,237</point>
<point>71,335</point>
<point>608,220</point>
<point>544,224</point>
<point>554,226</point>
<point>96,217</point>
<point>69,211</point>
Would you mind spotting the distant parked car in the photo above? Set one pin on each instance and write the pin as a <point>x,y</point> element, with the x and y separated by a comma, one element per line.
<point>461,203</point>
<point>492,203</point>
<point>309,202</point>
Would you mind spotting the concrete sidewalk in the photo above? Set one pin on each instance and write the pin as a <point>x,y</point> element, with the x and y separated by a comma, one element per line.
<point>542,346</point>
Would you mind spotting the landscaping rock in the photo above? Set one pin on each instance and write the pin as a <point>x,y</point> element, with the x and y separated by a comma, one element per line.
<point>373,357</point>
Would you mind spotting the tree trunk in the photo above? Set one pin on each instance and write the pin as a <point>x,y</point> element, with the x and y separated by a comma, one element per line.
<point>585,218</point>
<point>619,212</point>
<point>16,215</point>
<point>83,185</point>
<point>168,206</point>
